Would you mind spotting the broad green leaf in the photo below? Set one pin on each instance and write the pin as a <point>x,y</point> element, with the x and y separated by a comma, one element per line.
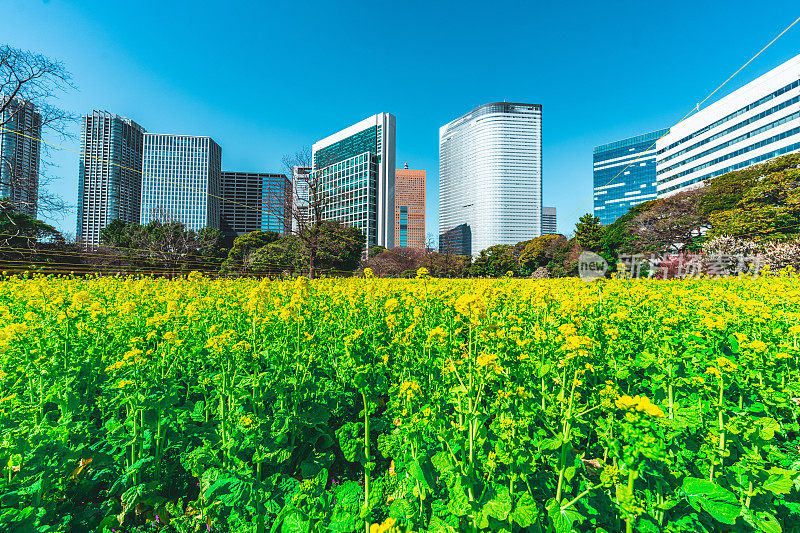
<point>715,500</point>
<point>500,505</point>
<point>780,481</point>
<point>525,511</point>
<point>768,427</point>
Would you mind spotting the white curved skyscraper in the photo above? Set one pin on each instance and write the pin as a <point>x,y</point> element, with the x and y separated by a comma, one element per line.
<point>490,177</point>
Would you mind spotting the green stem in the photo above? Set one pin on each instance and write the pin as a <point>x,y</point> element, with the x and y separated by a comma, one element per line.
<point>367,457</point>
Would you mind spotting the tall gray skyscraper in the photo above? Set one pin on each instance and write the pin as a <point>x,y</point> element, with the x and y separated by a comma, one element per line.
<point>109,174</point>
<point>181,177</point>
<point>20,151</point>
<point>490,177</point>
<point>355,172</point>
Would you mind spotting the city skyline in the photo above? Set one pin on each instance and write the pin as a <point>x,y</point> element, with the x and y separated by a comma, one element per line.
<point>140,82</point>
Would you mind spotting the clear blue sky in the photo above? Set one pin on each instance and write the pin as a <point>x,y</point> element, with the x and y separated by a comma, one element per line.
<point>263,79</point>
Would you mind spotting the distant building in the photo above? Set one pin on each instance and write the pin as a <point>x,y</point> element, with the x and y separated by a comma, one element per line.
<point>181,180</point>
<point>254,201</point>
<point>356,176</point>
<point>409,208</point>
<point>300,205</point>
<point>757,122</point>
<point>20,153</point>
<point>109,174</point>
<point>624,175</point>
<point>490,177</point>
<point>549,226</point>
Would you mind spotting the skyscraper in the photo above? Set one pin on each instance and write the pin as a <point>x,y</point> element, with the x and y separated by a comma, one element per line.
<point>549,226</point>
<point>752,124</point>
<point>624,175</point>
<point>301,216</point>
<point>409,208</point>
<point>181,180</point>
<point>356,175</point>
<point>490,177</point>
<point>109,174</point>
<point>254,201</point>
<point>20,151</point>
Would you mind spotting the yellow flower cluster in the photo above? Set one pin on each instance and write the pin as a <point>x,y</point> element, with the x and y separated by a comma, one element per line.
<point>408,389</point>
<point>639,403</point>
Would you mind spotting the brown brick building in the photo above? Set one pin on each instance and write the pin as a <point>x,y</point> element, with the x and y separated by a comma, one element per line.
<point>409,208</point>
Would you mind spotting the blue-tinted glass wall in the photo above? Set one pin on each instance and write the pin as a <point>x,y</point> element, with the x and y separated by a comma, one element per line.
<point>624,175</point>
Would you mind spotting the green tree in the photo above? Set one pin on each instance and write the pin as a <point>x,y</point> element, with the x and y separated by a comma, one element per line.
<point>239,256</point>
<point>287,254</point>
<point>495,261</point>
<point>768,208</point>
<point>117,234</point>
<point>589,233</point>
<point>538,251</point>
<point>339,247</point>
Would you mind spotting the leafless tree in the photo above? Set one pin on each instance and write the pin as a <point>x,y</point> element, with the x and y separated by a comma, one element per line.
<point>301,210</point>
<point>28,83</point>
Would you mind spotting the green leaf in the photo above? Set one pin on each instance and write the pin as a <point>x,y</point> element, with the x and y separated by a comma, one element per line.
<point>562,520</point>
<point>525,511</point>
<point>500,505</point>
<point>715,500</point>
<point>780,481</point>
<point>437,525</point>
<point>768,428</point>
<point>762,521</point>
<point>132,496</point>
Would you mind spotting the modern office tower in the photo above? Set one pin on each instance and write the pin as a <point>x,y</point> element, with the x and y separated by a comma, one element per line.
<point>490,177</point>
<point>20,151</point>
<point>409,208</point>
<point>109,174</point>
<point>757,122</point>
<point>549,226</point>
<point>181,180</point>
<point>301,215</point>
<point>253,201</point>
<point>355,172</point>
<point>624,175</point>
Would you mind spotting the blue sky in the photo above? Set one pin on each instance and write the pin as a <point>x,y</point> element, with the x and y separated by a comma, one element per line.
<point>264,78</point>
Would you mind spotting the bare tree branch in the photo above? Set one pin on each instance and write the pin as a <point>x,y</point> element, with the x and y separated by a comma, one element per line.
<point>28,82</point>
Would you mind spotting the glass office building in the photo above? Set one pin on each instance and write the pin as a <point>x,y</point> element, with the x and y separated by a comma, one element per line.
<point>181,180</point>
<point>301,217</point>
<point>409,209</point>
<point>549,225</point>
<point>490,177</point>
<point>355,172</point>
<point>254,201</point>
<point>757,122</point>
<point>624,175</point>
<point>109,174</point>
<point>20,152</point>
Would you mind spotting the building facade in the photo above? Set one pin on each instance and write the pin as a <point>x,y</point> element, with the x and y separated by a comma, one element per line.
<point>20,154</point>
<point>181,177</point>
<point>355,172</point>
<point>490,177</point>
<point>624,175</point>
<point>409,208</point>
<point>109,174</point>
<point>549,225</point>
<point>757,122</point>
<point>301,213</point>
<point>254,201</point>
